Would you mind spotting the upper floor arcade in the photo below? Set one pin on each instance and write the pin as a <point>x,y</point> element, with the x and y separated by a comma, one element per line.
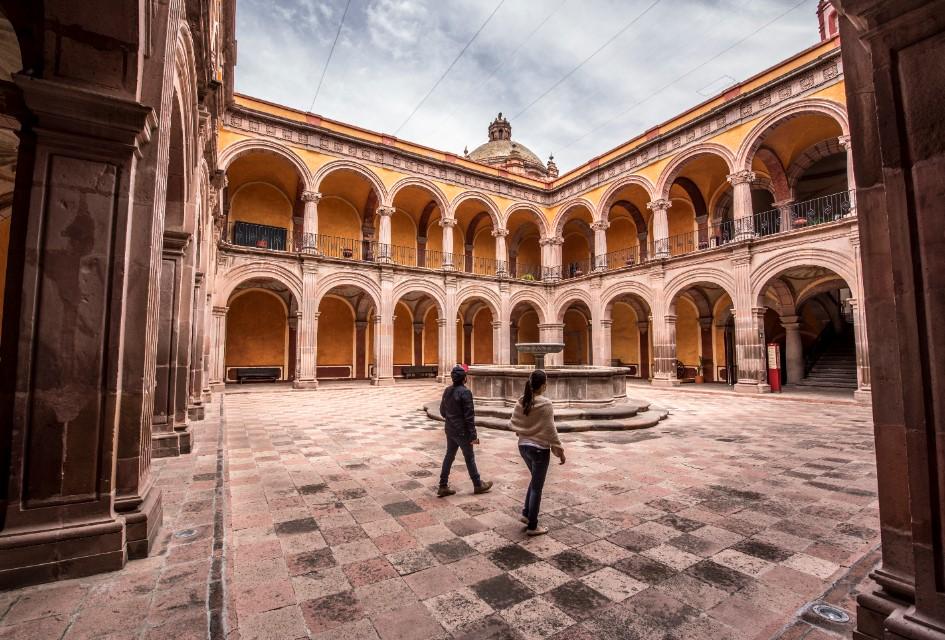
<point>767,158</point>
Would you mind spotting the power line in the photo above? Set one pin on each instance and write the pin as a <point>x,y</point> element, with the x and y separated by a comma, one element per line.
<point>330,53</point>
<point>634,105</point>
<point>449,68</point>
<point>586,60</point>
<point>505,60</point>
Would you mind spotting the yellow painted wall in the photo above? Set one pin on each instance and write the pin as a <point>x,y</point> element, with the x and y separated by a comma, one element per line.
<point>403,231</point>
<point>529,252</point>
<point>338,219</point>
<point>484,244</point>
<point>575,249</point>
<point>257,333</point>
<point>527,332</point>
<point>687,333</point>
<point>682,219</point>
<point>261,203</point>
<point>482,337</point>
<point>718,333</point>
<point>624,334</point>
<point>403,335</point>
<point>335,333</point>
<point>575,337</point>
<point>431,338</point>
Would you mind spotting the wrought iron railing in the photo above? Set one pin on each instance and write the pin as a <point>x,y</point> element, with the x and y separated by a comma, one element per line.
<point>622,258</point>
<point>575,269</point>
<point>261,236</point>
<point>524,271</point>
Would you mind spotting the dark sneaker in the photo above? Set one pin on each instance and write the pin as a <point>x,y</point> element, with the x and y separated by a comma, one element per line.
<point>442,492</point>
<point>485,487</point>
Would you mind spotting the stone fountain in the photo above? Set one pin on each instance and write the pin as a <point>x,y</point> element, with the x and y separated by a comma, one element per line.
<point>585,398</point>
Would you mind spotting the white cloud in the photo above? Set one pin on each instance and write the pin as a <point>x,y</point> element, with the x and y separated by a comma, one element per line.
<point>392,51</point>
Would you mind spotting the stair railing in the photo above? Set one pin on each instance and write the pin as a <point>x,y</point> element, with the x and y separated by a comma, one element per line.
<point>828,335</point>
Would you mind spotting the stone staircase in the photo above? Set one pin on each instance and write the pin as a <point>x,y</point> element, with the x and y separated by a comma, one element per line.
<point>836,367</point>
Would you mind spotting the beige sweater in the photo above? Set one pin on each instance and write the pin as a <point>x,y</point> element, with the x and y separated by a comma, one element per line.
<point>538,425</point>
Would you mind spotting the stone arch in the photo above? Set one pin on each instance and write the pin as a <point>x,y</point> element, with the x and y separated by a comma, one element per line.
<point>346,165</point>
<point>835,261</point>
<point>185,92</point>
<point>239,274</point>
<point>756,136</point>
<point>491,207</point>
<point>626,288</point>
<point>484,294</point>
<point>539,217</point>
<point>418,285</point>
<point>568,297</point>
<point>812,155</point>
<point>561,216</point>
<point>243,147</point>
<point>361,281</point>
<point>675,167</point>
<point>713,275</point>
<point>435,192</point>
<point>529,297</point>
<point>603,210</point>
<point>784,303</point>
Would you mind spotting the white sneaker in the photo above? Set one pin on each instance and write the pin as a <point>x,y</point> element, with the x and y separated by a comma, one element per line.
<point>537,531</point>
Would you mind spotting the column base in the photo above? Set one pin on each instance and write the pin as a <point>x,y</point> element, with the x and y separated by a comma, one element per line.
<point>863,396</point>
<point>217,387</point>
<point>33,557</point>
<point>195,412</point>
<point>143,520</point>
<point>304,384</point>
<point>169,445</point>
<point>752,387</point>
<point>665,382</point>
<point>382,382</point>
<point>206,395</point>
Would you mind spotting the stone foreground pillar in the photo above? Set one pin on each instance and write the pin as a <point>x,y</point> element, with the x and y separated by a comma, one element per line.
<point>62,382</point>
<point>218,350</point>
<point>384,331</point>
<point>793,349</point>
<point>660,209</point>
<point>664,352</point>
<point>749,331</point>
<point>307,337</point>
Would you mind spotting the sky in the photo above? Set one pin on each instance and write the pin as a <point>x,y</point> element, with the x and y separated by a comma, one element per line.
<point>574,77</point>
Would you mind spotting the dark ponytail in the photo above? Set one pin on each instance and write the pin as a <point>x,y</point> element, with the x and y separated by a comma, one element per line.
<point>535,382</point>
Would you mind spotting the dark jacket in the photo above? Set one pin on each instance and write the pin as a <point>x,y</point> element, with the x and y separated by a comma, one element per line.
<point>457,410</point>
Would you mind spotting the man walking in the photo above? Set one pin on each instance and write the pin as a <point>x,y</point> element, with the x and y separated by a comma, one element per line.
<point>457,410</point>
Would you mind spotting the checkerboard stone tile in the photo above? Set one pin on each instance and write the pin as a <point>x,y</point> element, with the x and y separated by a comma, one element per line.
<point>333,529</point>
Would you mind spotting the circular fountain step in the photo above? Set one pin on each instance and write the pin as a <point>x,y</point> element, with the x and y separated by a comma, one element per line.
<point>630,415</point>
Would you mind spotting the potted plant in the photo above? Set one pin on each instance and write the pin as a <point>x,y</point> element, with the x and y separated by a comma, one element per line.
<point>799,221</point>
<point>262,243</point>
<point>628,262</point>
<point>528,277</point>
<point>700,370</point>
<point>347,252</point>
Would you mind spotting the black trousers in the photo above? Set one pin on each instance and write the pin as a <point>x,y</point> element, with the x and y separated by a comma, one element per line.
<point>537,462</point>
<point>452,444</point>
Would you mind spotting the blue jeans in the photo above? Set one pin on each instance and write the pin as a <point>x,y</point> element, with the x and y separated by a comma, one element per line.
<point>452,444</point>
<point>537,462</point>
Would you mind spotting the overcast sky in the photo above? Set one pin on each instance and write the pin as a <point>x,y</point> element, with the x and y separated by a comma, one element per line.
<point>667,55</point>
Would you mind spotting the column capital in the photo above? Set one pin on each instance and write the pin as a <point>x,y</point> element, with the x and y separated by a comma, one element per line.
<point>556,241</point>
<point>447,222</point>
<point>600,225</point>
<point>791,322</point>
<point>741,177</point>
<point>385,212</point>
<point>643,325</point>
<point>606,322</point>
<point>500,232</point>
<point>670,318</point>
<point>220,311</point>
<point>844,142</point>
<point>496,324</point>
<point>659,205</point>
<point>311,196</point>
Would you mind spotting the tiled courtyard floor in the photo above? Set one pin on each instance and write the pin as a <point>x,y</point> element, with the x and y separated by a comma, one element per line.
<point>721,522</point>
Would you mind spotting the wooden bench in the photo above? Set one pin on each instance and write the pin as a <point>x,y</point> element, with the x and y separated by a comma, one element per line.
<point>424,371</point>
<point>257,374</point>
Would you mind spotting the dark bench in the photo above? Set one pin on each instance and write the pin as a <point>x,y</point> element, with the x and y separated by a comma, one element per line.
<point>425,371</point>
<point>257,374</point>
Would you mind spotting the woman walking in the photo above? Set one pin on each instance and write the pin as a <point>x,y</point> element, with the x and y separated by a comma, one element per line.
<point>534,421</point>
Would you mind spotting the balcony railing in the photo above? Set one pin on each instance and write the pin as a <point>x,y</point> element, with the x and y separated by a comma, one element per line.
<point>797,216</point>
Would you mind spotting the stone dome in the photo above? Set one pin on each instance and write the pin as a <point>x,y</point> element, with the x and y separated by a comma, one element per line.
<point>501,151</point>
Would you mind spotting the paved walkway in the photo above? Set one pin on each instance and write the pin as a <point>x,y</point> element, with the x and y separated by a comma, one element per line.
<point>721,522</point>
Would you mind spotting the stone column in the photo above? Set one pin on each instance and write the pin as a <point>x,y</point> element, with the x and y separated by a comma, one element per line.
<point>664,351</point>
<point>851,178</point>
<point>384,251</point>
<point>513,340</point>
<point>384,334</point>
<point>218,350</point>
<point>786,208</point>
<point>64,399</point>
<point>556,257</point>
<point>183,355</point>
<point>501,256</point>
<point>195,408</point>
<point>448,258</point>
<point>552,332</point>
<point>450,316</point>
<point>702,226</point>
<point>602,351</point>
<point>360,349</point>
<point>310,221</point>
<point>600,245</point>
<point>863,391</point>
<point>793,349</point>
<point>497,342</point>
<point>660,209</point>
<point>705,339</point>
<point>307,336</point>
<point>741,204</point>
<point>749,330</point>
<point>643,239</point>
<point>467,342</point>
<point>644,328</point>
<point>444,360</point>
<point>547,258</point>
<point>418,343</point>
